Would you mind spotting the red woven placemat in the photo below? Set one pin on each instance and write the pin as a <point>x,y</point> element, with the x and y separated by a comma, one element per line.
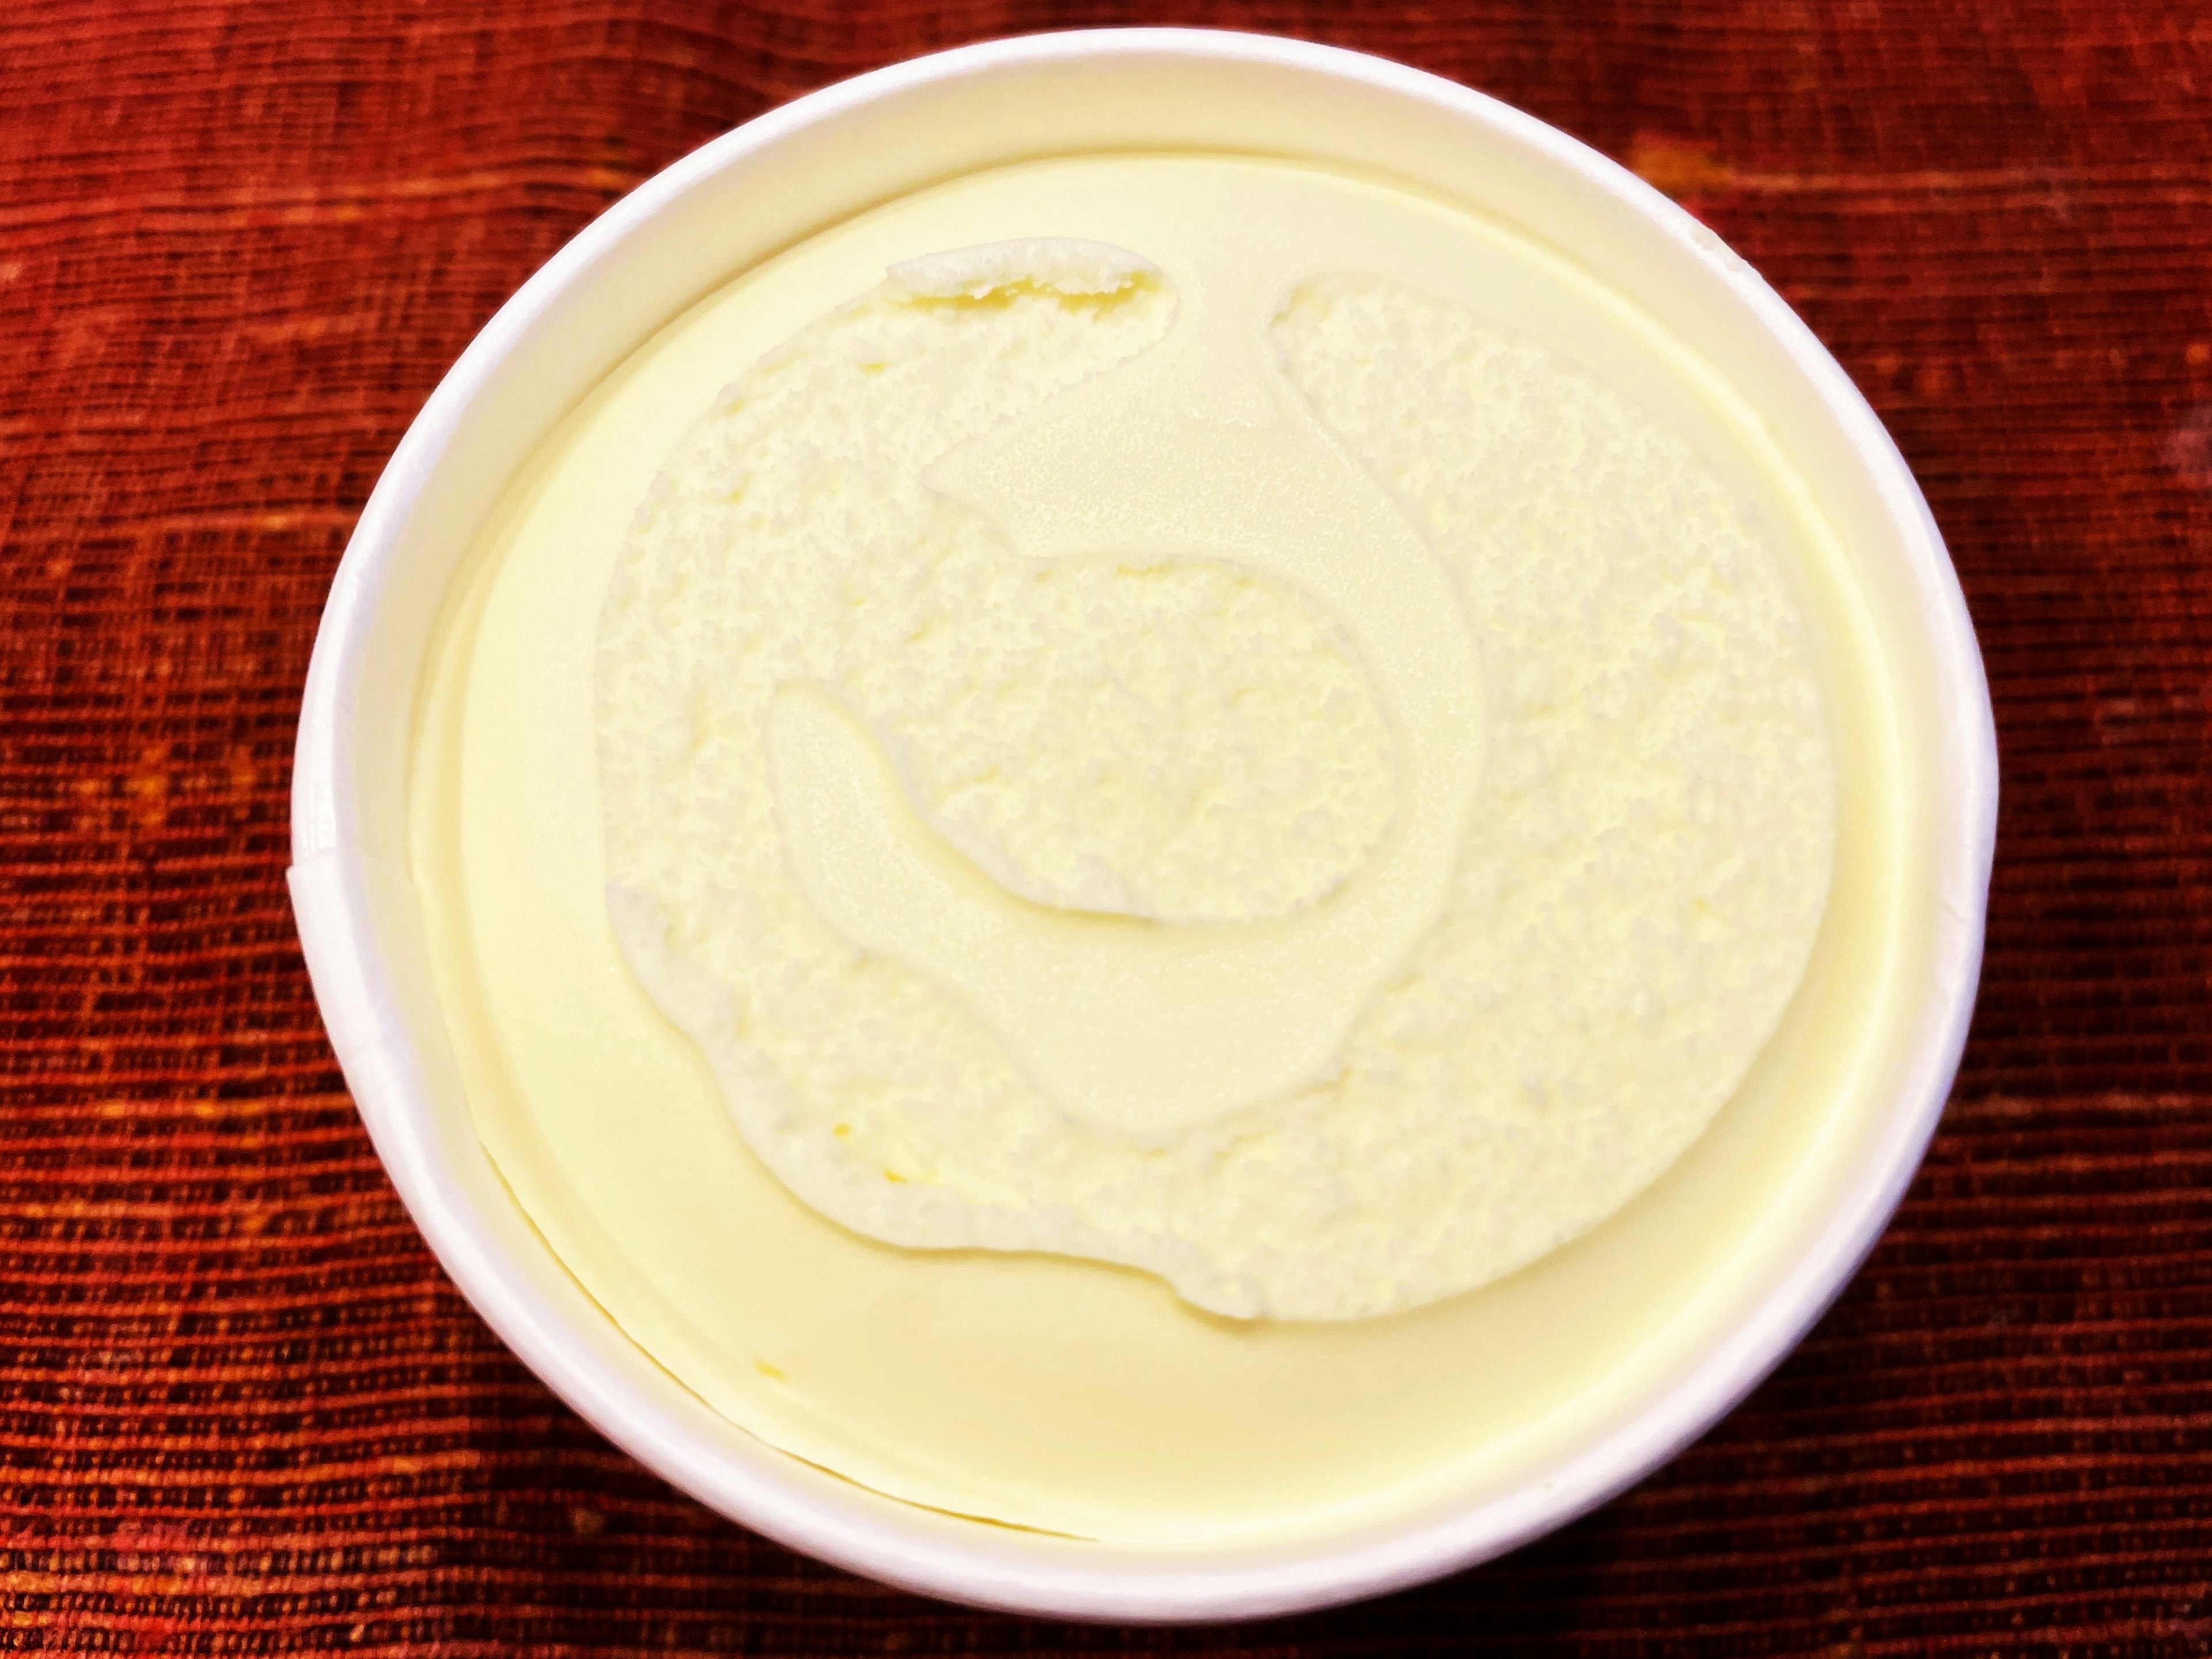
<point>243,1411</point>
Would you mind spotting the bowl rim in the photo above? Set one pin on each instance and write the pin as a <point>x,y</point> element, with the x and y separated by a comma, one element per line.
<point>788,1501</point>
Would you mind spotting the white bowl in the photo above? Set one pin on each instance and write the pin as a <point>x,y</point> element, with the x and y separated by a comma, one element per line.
<point>801,168</point>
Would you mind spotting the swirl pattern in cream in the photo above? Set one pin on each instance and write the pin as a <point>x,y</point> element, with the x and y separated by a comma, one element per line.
<point>1254,775</point>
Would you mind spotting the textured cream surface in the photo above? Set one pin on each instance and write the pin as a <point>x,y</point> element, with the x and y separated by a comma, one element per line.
<point>1187,743</point>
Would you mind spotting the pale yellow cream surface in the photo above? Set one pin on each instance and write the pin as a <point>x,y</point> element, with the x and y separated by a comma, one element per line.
<point>948,883</point>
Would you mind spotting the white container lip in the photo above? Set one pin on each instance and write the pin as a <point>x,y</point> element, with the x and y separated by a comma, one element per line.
<point>353,906</point>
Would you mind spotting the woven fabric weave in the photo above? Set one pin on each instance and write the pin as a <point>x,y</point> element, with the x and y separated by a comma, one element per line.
<point>240,1409</point>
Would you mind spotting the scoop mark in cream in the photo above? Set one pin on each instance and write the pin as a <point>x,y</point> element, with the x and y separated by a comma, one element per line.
<point>1197,450</point>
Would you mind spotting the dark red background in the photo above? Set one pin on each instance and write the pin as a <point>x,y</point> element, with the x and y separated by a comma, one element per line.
<point>241,1412</point>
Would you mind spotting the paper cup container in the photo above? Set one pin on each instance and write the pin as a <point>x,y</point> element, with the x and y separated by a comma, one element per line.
<point>803,168</point>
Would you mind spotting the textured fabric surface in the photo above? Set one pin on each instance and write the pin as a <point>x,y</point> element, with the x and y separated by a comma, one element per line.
<point>240,1409</point>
